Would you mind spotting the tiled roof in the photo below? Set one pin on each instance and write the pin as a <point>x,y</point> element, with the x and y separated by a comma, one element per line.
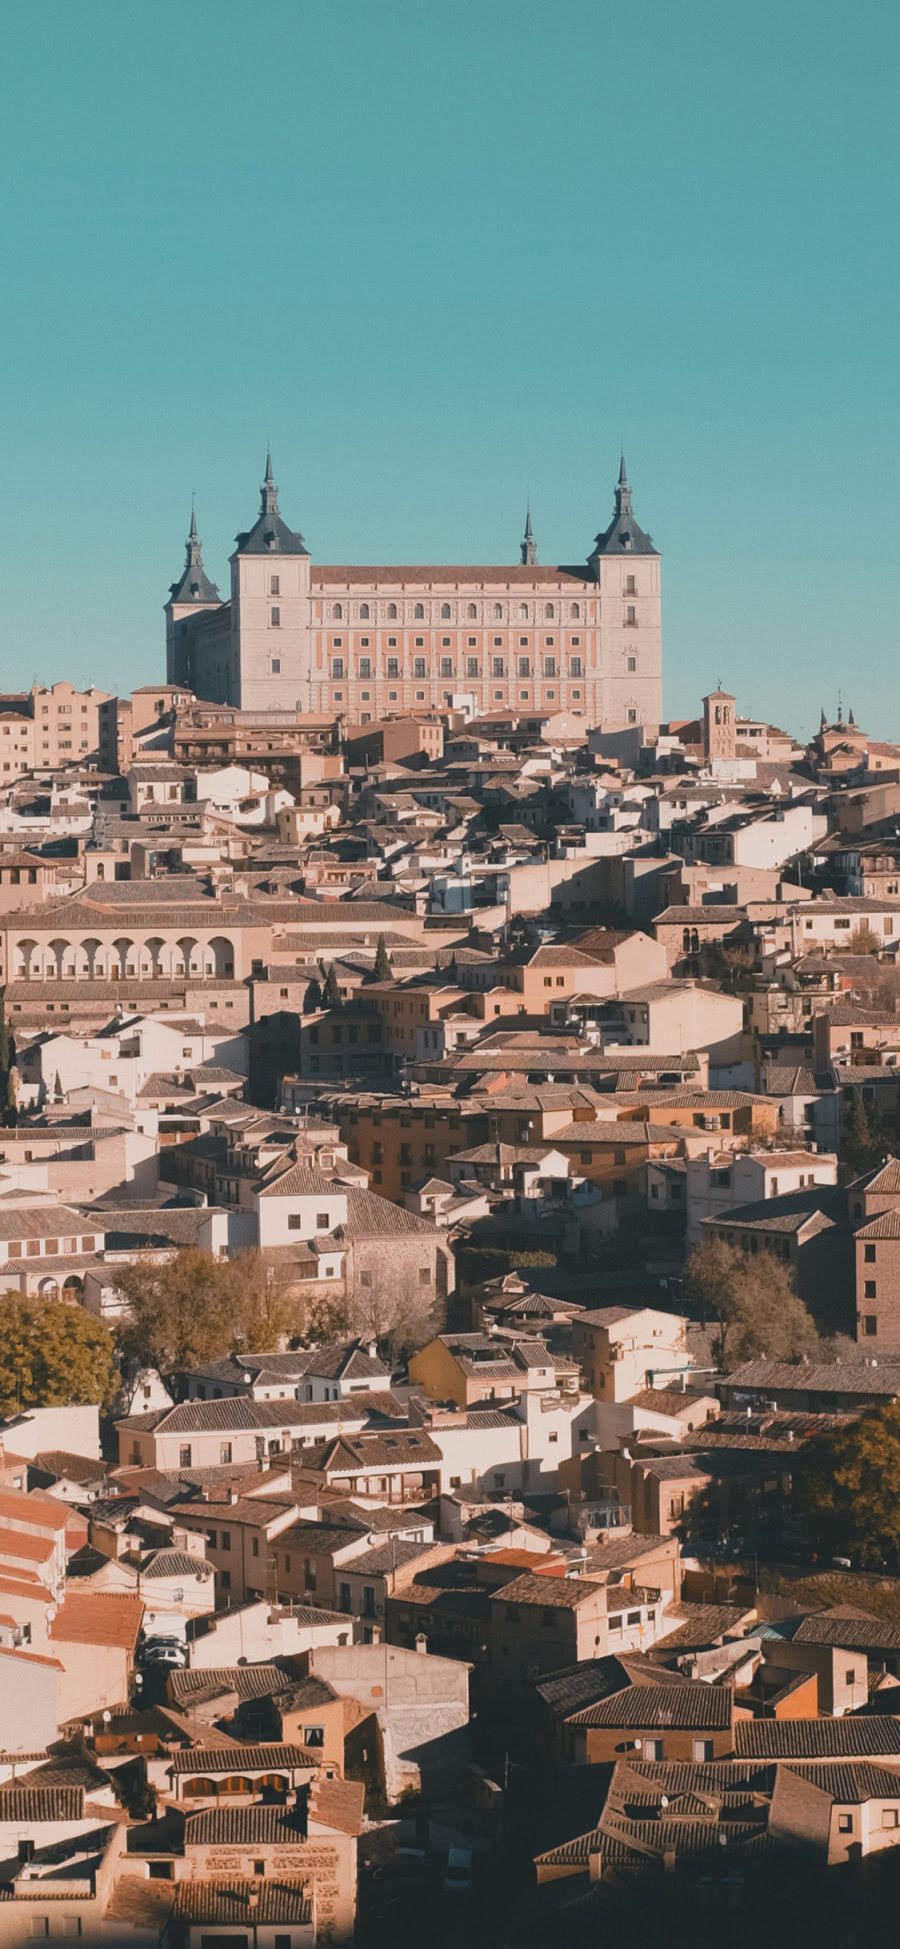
<point>247,1681</point>
<point>851,1633</point>
<point>98,1617</point>
<point>19,1802</point>
<point>799,1739</point>
<point>202,1759</point>
<point>816,1377</point>
<point>689,1706</point>
<point>559,1593</point>
<point>252,1904</point>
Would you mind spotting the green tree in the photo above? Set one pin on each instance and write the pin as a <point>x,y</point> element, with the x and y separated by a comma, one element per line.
<point>861,1140</point>
<point>382,968</point>
<point>312,1000</point>
<point>52,1354</point>
<point>198,1307</point>
<point>751,1303</point>
<point>847,1489</point>
<point>863,941</point>
<point>58,1089</point>
<point>331,994</point>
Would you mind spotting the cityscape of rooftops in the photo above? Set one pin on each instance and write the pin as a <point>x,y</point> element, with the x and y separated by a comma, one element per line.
<point>450,978</point>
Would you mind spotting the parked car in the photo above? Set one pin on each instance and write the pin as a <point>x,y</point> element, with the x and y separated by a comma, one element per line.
<point>164,1651</point>
<point>458,1878</point>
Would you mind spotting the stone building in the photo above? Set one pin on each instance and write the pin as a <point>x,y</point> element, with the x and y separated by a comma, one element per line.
<point>371,642</point>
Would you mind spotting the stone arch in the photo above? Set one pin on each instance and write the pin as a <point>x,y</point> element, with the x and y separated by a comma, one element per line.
<point>94,959</point>
<point>58,950</point>
<point>48,1288</point>
<point>155,948</point>
<point>73,1288</point>
<point>185,947</point>
<point>122,965</point>
<point>219,956</point>
<point>26,950</point>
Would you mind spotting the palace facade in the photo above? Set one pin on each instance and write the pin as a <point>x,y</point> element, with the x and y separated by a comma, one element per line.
<point>366,643</point>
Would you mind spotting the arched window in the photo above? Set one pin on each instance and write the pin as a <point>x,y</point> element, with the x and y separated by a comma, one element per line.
<point>364,612</point>
<point>419,613</point>
<point>392,612</point>
<point>445,612</point>
<point>498,612</point>
<point>523,612</point>
<point>338,612</point>
<point>576,610</point>
<point>220,956</point>
<point>471,612</point>
<point>549,612</point>
<point>123,951</point>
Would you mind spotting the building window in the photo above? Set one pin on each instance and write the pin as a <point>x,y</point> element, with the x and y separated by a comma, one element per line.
<point>549,666</point>
<point>869,1254</point>
<point>631,717</point>
<point>471,612</point>
<point>365,666</point>
<point>472,666</point>
<point>870,1289</point>
<point>364,612</point>
<point>574,666</point>
<point>630,615</point>
<point>446,666</point>
<point>337,666</point>
<point>274,585</point>
<point>419,666</point>
<point>870,1325</point>
<point>393,666</point>
<point>419,613</point>
<point>184,1457</point>
<point>702,1750</point>
<point>524,666</point>
<point>392,612</point>
<point>497,666</point>
<point>630,585</point>
<point>275,618</point>
<point>631,663</point>
<point>276,666</point>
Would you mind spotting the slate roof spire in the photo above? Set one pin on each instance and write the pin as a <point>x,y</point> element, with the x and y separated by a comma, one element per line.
<point>623,536</point>
<point>270,534</point>
<point>194,584</point>
<point>528,548</point>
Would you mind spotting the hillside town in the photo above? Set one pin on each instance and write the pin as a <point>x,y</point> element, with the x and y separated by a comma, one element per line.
<point>450,1335</point>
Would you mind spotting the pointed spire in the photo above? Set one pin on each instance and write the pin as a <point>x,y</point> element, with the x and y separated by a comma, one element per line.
<point>194,584</point>
<point>528,550</point>
<point>269,491</point>
<point>823,721</point>
<point>623,490</point>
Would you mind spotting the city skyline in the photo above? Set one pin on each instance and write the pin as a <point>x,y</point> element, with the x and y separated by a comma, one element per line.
<point>463,275</point>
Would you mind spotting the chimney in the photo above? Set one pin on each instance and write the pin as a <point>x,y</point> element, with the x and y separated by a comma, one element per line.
<point>376,1634</point>
<point>233,1495</point>
<point>421,1643</point>
<point>253,1898</point>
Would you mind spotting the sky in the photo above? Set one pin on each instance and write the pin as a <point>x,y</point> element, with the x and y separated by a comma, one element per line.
<point>444,258</point>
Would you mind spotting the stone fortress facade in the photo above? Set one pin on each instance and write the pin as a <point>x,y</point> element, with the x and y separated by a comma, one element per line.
<point>366,643</point>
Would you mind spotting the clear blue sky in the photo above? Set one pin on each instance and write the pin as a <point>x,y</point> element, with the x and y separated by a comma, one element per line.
<point>439,255</point>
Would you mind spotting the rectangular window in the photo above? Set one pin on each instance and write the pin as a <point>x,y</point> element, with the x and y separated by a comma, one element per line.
<point>472,666</point>
<point>274,585</point>
<point>524,667</point>
<point>446,666</point>
<point>702,1750</point>
<point>276,666</point>
<point>574,666</point>
<point>275,618</point>
<point>549,666</point>
<point>337,666</point>
<point>419,666</point>
<point>497,667</point>
<point>184,1457</point>
<point>365,666</point>
<point>225,1453</point>
<point>393,666</point>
